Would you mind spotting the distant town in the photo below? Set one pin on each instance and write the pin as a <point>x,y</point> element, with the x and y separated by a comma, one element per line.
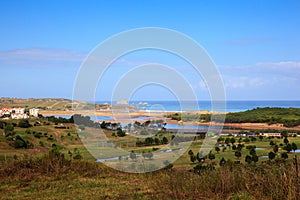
<point>18,113</point>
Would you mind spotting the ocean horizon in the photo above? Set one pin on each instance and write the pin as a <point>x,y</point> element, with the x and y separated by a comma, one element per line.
<point>205,105</point>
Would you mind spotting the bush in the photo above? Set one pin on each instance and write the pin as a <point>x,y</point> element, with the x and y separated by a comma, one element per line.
<point>28,131</point>
<point>38,135</point>
<point>24,123</point>
<point>9,130</point>
<point>120,132</point>
<point>20,142</point>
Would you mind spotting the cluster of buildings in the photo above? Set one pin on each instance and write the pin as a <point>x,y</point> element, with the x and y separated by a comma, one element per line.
<point>18,113</point>
<point>250,133</point>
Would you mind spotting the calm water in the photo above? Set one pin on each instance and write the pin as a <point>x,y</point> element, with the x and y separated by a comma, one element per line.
<point>177,126</point>
<point>231,106</point>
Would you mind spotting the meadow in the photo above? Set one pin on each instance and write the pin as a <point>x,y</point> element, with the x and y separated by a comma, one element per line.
<point>56,165</point>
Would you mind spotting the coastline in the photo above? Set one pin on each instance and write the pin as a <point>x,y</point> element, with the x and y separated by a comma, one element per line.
<point>135,113</point>
<point>123,117</point>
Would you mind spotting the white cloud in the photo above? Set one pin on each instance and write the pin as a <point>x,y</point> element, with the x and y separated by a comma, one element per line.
<point>40,57</point>
<point>244,82</point>
<point>260,80</point>
<point>267,67</point>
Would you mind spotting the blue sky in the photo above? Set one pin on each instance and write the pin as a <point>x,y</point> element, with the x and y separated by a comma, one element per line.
<point>255,44</point>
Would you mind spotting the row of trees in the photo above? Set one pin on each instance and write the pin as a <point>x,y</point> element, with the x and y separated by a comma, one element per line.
<point>133,156</point>
<point>149,141</point>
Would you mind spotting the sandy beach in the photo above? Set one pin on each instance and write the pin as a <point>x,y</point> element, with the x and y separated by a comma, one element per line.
<point>115,114</point>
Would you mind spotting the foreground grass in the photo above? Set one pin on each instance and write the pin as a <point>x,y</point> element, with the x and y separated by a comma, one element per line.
<point>58,178</point>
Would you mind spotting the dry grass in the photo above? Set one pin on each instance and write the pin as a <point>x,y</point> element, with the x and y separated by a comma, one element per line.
<point>58,178</point>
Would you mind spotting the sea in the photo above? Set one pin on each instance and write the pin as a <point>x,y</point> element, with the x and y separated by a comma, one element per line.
<point>217,106</point>
<point>176,106</point>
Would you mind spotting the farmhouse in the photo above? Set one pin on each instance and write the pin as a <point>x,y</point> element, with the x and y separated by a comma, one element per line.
<point>34,112</point>
<point>271,134</point>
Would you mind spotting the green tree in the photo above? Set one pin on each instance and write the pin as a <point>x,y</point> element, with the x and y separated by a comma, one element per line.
<point>272,143</point>
<point>24,123</point>
<point>240,140</point>
<point>190,152</point>
<point>149,141</point>
<point>252,152</point>
<point>246,140</point>
<point>238,154</point>
<point>200,157</point>
<point>275,148</point>
<point>9,130</point>
<point>284,155</point>
<point>285,140</point>
<point>255,158</point>
<point>240,147</point>
<point>193,158</point>
<point>224,149</point>
<point>165,140</point>
<point>120,132</point>
<point>211,156</point>
<point>220,140</point>
<point>156,141</point>
<point>103,125</point>
<point>233,147</point>
<point>227,141</point>
<point>222,162</point>
<point>294,147</point>
<point>271,155</point>
<point>20,142</point>
<point>248,159</point>
<point>284,134</point>
<point>288,147</point>
<point>232,140</point>
<point>217,149</point>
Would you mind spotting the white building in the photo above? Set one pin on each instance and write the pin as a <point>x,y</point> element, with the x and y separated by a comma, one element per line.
<point>271,134</point>
<point>5,111</point>
<point>18,110</point>
<point>19,116</point>
<point>34,112</point>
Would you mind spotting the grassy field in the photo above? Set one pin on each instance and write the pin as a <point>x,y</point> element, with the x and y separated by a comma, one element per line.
<point>51,104</point>
<point>70,139</point>
<point>33,173</point>
<point>53,178</point>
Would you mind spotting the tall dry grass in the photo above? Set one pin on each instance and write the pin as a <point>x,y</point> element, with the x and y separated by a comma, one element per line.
<point>273,180</point>
<point>266,181</point>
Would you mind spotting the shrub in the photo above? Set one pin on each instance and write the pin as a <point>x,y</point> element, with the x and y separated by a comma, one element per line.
<point>20,142</point>
<point>24,123</point>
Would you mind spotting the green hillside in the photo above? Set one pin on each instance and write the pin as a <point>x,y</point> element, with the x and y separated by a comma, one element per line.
<point>289,117</point>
